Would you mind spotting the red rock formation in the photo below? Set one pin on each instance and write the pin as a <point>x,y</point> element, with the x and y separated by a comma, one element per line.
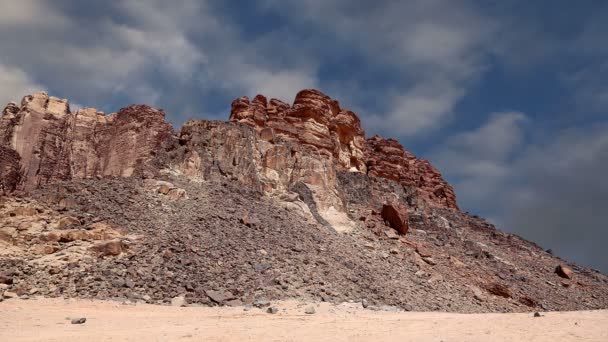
<point>55,144</point>
<point>9,170</point>
<point>299,148</point>
<point>317,120</point>
<point>314,119</point>
<point>386,158</point>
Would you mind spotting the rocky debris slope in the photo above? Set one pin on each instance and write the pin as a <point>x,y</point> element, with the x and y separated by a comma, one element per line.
<point>55,144</point>
<point>224,244</point>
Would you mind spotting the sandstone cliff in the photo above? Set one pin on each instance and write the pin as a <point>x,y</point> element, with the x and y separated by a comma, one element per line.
<point>278,149</point>
<point>55,144</point>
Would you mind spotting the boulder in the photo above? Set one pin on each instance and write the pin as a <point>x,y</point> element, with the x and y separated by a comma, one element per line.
<point>564,271</point>
<point>108,248</point>
<point>395,214</point>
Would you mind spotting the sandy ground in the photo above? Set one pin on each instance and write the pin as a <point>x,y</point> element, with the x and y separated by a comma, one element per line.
<point>48,320</point>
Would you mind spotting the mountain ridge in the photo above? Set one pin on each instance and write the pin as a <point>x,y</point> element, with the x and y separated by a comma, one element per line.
<point>280,201</point>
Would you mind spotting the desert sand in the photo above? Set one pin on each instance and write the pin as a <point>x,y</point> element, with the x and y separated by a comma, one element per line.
<point>50,320</point>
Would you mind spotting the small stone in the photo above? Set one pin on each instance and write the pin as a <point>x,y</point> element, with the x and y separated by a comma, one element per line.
<point>538,314</point>
<point>9,295</point>
<point>6,279</point>
<point>68,221</point>
<point>108,248</point>
<point>216,296</point>
<point>164,189</point>
<point>310,310</point>
<point>234,303</point>
<point>178,301</point>
<point>80,320</point>
<point>260,303</point>
<point>129,283</point>
<point>246,220</point>
<point>391,234</point>
<point>272,310</point>
<point>423,251</point>
<point>430,261</point>
<point>364,303</point>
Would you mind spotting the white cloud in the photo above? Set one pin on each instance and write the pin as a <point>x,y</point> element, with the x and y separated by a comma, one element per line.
<point>438,47</point>
<point>282,84</point>
<point>479,161</point>
<point>552,192</point>
<point>36,13</point>
<point>424,107</point>
<point>14,84</point>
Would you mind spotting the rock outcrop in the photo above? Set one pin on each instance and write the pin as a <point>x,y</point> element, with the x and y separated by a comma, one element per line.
<point>55,144</point>
<point>318,121</point>
<point>268,145</point>
<point>386,158</point>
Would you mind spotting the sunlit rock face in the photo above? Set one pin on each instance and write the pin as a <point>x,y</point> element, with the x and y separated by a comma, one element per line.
<point>279,149</point>
<point>55,144</point>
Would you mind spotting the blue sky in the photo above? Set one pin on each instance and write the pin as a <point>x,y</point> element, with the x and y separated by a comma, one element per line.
<point>508,99</point>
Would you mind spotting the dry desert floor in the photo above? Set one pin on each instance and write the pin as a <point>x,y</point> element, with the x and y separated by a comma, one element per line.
<point>49,320</point>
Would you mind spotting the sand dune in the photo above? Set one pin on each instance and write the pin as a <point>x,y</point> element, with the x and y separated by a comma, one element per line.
<point>48,320</point>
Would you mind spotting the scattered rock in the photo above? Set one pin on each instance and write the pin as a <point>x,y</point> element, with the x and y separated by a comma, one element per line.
<point>499,290</point>
<point>538,314</point>
<point>310,310</point>
<point>564,271</point>
<point>525,300</point>
<point>6,279</point>
<point>272,310</point>
<point>67,221</point>
<point>429,261</point>
<point>423,251</point>
<point>80,320</point>
<point>10,295</point>
<point>260,303</point>
<point>178,301</point>
<point>108,248</point>
<point>219,297</point>
<point>395,214</point>
<point>234,302</point>
<point>391,234</point>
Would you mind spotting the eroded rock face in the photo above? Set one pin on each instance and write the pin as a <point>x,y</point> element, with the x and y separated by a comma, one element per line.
<point>9,170</point>
<point>212,150</point>
<point>314,120</point>
<point>55,144</point>
<point>268,145</point>
<point>319,123</point>
<point>386,158</point>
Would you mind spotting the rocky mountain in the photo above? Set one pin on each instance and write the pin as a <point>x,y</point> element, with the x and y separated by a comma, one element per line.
<point>280,201</point>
